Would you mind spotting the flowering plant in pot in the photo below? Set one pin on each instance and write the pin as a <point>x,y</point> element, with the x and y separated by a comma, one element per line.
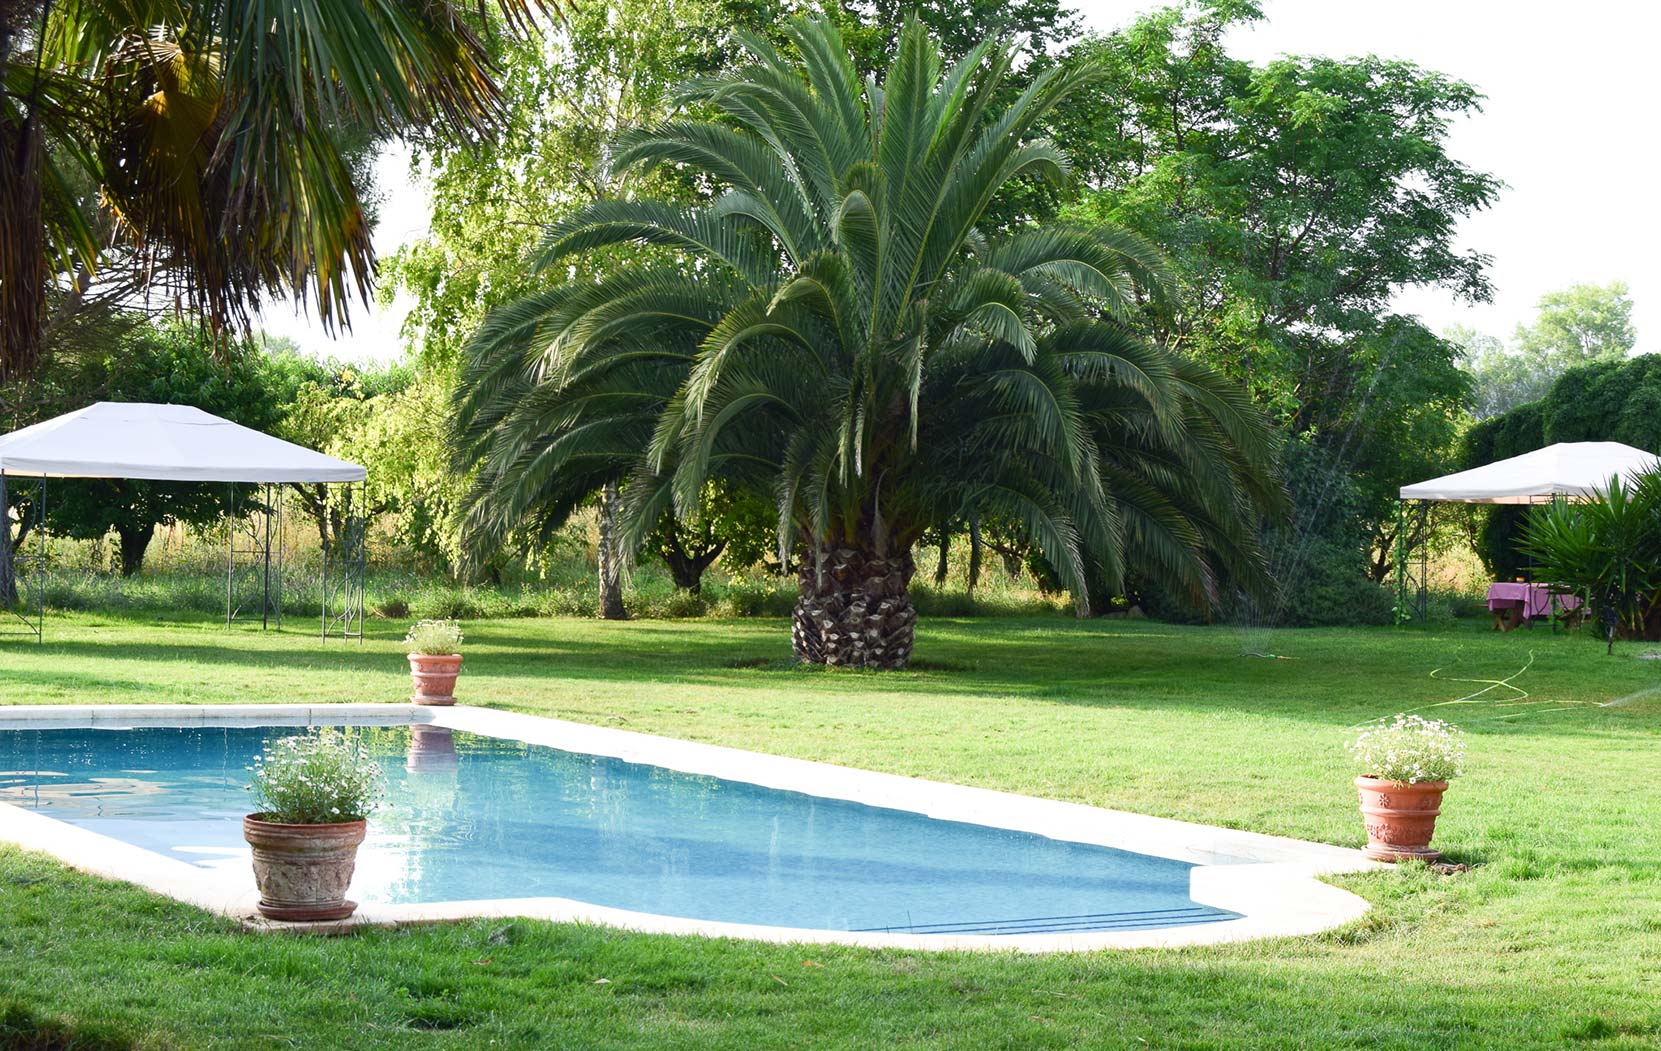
<point>1406,763</point>
<point>434,660</point>
<point>313,795</point>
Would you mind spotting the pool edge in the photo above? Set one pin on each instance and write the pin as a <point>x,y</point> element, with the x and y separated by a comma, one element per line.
<point>1272,882</point>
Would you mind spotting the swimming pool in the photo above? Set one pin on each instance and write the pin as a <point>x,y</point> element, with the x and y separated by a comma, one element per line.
<point>488,809</point>
<point>478,818</point>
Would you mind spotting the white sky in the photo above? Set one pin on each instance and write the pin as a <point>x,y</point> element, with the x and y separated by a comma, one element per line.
<point>1566,126</point>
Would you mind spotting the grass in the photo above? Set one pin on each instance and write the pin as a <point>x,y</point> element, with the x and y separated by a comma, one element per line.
<point>1552,940</point>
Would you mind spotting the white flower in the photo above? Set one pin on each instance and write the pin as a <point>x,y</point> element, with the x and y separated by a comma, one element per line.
<point>1409,748</point>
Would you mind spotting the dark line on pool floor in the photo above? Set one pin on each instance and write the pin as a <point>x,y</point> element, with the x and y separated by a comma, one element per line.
<point>1106,921</point>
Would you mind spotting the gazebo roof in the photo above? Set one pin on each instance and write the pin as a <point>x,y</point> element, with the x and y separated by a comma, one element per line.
<point>1572,470</point>
<point>176,443</point>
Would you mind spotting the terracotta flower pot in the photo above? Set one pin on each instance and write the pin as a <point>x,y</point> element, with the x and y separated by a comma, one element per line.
<point>303,871</point>
<point>434,675</point>
<point>1400,817</point>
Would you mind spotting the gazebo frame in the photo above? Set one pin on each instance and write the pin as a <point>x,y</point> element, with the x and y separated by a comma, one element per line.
<point>254,556</point>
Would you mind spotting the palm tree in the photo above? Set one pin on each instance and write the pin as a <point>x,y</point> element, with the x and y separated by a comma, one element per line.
<point>833,328</point>
<point>207,141</point>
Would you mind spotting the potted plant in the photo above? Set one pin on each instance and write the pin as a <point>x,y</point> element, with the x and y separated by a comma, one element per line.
<point>434,660</point>
<point>1406,763</point>
<point>313,794</point>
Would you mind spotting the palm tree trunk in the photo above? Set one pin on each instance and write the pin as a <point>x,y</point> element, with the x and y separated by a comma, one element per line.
<point>853,609</point>
<point>22,253</point>
<point>609,558</point>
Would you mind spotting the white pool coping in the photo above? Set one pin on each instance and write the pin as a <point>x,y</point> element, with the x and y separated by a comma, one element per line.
<point>1272,882</point>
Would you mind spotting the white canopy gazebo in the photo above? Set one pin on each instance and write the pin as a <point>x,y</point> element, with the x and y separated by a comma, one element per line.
<point>1565,471</point>
<point>181,443</point>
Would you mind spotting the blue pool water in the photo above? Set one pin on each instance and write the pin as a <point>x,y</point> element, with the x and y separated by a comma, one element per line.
<point>473,817</point>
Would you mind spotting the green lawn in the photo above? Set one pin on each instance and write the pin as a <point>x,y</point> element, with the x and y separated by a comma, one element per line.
<point>1554,938</point>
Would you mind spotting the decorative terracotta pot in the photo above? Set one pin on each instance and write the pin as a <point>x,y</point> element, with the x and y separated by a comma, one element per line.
<point>303,871</point>
<point>1400,817</point>
<point>434,675</point>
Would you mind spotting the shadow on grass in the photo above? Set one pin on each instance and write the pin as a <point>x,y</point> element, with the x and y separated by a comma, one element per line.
<point>1337,677</point>
<point>23,1030</point>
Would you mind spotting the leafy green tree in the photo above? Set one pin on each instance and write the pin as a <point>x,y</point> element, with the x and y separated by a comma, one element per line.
<point>836,329</point>
<point>1298,197</point>
<point>870,28</point>
<point>567,95</point>
<point>218,137</point>
<point>405,443</point>
<point>173,363</point>
<point>732,525</point>
<point>1581,323</point>
<point>1499,380</point>
<point>333,408</point>
<point>1609,400</point>
<point>608,67</point>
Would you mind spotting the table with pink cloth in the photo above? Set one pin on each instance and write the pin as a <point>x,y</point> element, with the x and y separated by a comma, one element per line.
<point>1535,600</point>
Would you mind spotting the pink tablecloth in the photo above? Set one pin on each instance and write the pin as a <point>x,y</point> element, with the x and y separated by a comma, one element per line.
<point>1535,599</point>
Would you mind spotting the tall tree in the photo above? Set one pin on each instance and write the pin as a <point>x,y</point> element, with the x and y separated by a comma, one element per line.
<point>336,409</point>
<point>1572,326</point>
<point>567,96</point>
<point>1299,197</point>
<point>168,362</point>
<point>834,327</point>
<point>870,28</point>
<point>216,134</point>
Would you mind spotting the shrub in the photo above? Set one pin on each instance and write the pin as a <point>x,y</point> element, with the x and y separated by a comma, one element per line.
<point>1519,431</point>
<point>767,597</point>
<point>1409,749</point>
<point>448,604</point>
<point>317,778</point>
<point>434,638</point>
<point>1318,557</point>
<point>1329,585</point>
<point>1608,552</point>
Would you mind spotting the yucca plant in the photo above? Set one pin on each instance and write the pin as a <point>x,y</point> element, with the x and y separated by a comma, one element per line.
<point>206,139</point>
<point>835,329</point>
<point>1607,551</point>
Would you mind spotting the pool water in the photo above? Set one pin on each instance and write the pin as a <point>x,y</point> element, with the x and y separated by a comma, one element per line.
<point>471,817</point>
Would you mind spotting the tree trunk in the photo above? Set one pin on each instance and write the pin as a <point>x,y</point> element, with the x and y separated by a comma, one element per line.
<point>134,542</point>
<point>688,576</point>
<point>975,554</point>
<point>610,562</point>
<point>687,562</point>
<point>688,569</point>
<point>853,610</point>
<point>941,567</point>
